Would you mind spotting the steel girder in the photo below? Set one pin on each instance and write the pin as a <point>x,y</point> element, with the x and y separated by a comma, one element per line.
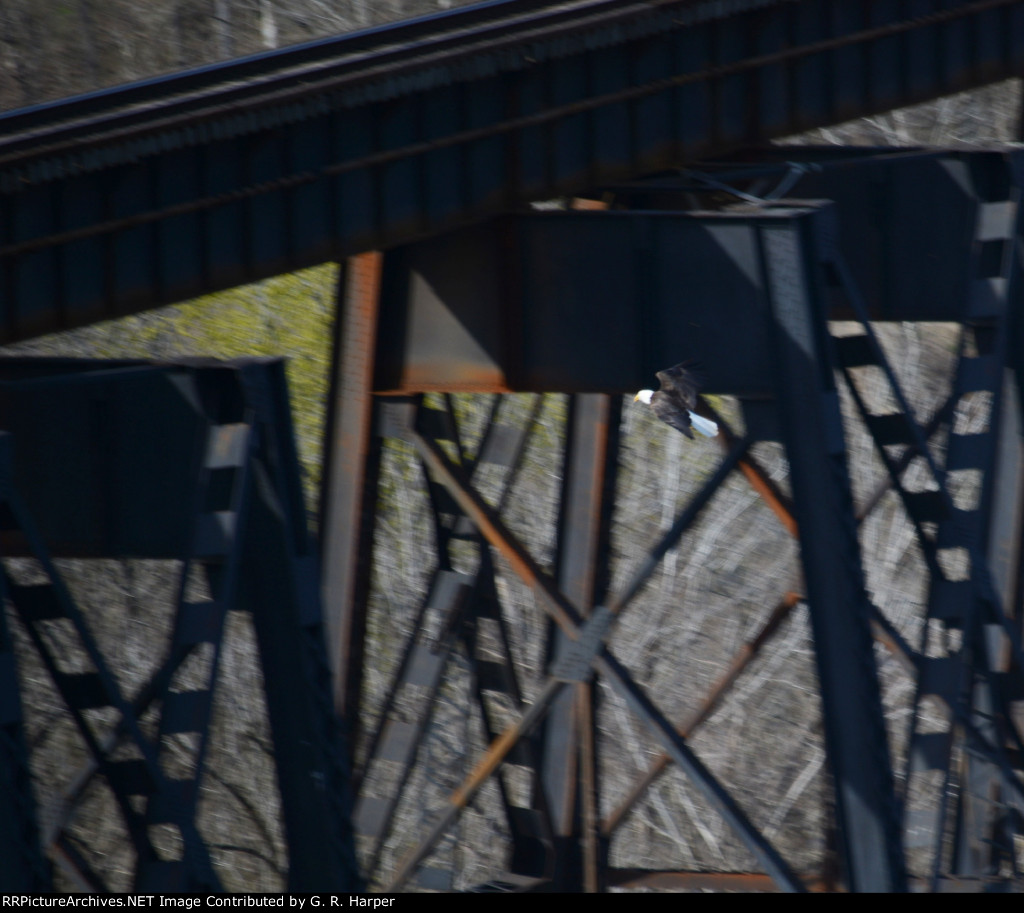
<point>969,531</point>
<point>155,193</point>
<point>492,298</point>
<point>902,219</point>
<point>207,476</point>
<point>866,798</point>
<point>569,669</point>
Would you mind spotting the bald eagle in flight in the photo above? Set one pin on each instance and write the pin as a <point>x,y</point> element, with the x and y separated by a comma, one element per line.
<point>676,399</point>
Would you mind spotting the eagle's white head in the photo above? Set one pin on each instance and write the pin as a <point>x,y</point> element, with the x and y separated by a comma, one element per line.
<point>644,396</point>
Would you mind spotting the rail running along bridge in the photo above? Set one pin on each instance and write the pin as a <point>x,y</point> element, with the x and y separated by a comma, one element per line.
<point>411,154</point>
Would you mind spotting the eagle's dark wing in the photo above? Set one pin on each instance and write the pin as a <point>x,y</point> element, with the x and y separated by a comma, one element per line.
<point>669,410</point>
<point>681,384</point>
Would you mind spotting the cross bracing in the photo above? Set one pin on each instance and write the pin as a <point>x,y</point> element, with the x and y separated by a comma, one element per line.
<point>137,197</point>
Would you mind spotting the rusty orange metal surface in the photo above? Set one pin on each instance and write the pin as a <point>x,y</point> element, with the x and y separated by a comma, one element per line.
<point>740,882</point>
<point>345,466</point>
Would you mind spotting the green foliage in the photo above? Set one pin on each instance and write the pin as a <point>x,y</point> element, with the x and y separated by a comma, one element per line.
<point>290,315</point>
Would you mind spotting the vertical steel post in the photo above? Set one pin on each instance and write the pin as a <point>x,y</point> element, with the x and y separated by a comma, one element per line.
<point>21,861</point>
<point>280,572</point>
<point>986,821</point>
<point>350,466</point>
<point>1006,517</point>
<point>840,612</point>
<point>312,772</point>
<point>568,762</point>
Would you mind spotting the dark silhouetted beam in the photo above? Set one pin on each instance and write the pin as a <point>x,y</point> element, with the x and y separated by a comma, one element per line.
<point>197,182</point>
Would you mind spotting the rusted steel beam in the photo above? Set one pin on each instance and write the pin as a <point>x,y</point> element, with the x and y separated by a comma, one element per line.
<point>66,856</point>
<point>494,530</point>
<point>348,494</point>
<point>763,485</point>
<point>753,882</point>
<point>781,506</point>
<point>881,629</point>
<point>561,611</point>
<point>746,654</point>
<point>487,765</point>
<point>568,760</point>
<point>676,747</point>
<point>593,857</point>
<point>742,882</point>
<point>460,596</point>
<point>755,474</point>
<point>489,309</point>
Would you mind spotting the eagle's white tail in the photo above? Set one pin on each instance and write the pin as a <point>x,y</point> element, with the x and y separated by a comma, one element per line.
<point>703,425</point>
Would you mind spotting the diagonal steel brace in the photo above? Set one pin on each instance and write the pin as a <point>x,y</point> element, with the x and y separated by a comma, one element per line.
<point>565,615</point>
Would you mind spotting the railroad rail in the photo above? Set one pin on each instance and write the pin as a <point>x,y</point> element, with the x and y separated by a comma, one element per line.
<point>196,182</point>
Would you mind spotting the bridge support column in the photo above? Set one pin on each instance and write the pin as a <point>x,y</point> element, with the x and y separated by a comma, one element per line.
<point>813,435</point>
<point>351,458</point>
<point>569,763</point>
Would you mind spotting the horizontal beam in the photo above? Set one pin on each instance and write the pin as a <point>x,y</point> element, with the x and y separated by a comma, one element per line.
<point>905,217</point>
<point>596,301</point>
<point>159,193</point>
<point>580,302</point>
<point>105,454</point>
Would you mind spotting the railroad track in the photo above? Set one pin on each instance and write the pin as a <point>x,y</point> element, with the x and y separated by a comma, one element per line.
<point>400,58</point>
<point>193,182</point>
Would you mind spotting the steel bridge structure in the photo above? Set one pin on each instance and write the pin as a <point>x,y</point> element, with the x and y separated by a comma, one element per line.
<point>413,155</point>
